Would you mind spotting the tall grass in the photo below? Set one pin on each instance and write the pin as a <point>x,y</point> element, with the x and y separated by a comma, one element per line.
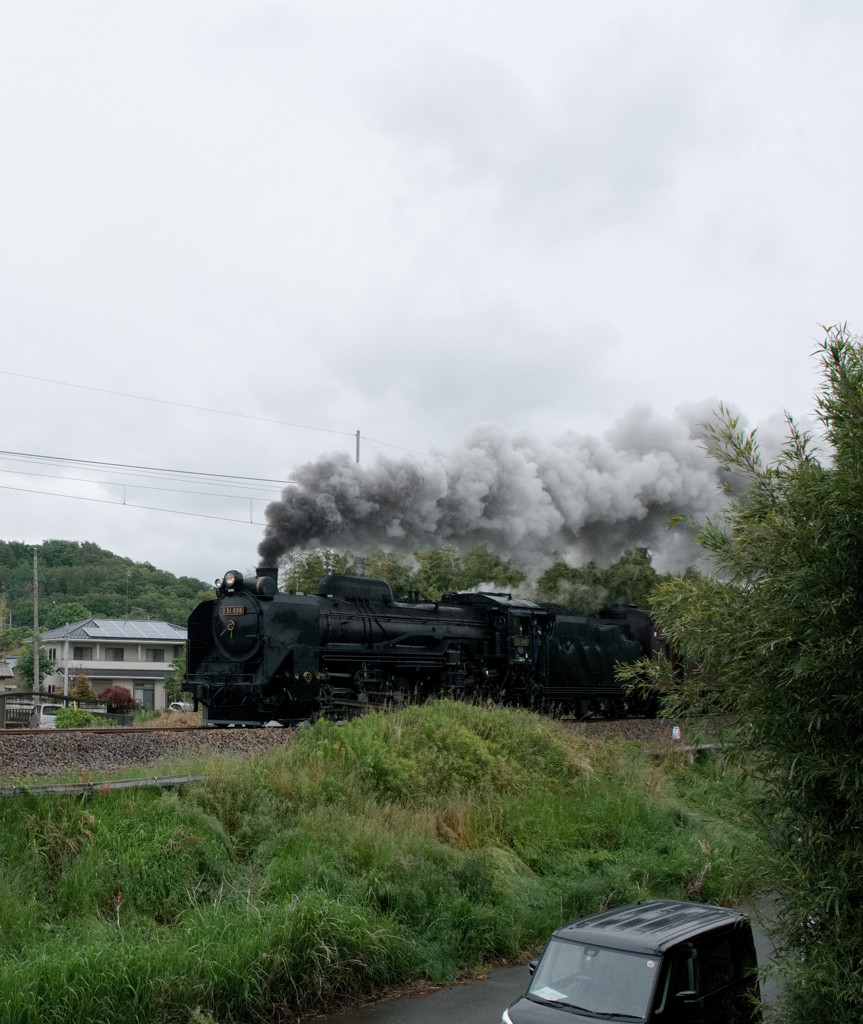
<point>414,844</point>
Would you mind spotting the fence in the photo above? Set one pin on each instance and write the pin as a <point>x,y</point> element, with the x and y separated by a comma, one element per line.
<point>16,705</point>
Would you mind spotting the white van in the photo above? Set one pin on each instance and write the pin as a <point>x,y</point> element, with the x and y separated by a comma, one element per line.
<point>42,716</point>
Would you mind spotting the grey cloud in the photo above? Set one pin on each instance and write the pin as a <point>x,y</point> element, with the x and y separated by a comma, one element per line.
<point>599,147</point>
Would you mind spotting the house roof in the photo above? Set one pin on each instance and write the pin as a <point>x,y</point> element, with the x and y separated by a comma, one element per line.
<point>118,629</point>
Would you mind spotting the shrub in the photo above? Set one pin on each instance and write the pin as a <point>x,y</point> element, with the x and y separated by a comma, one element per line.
<point>120,700</point>
<point>82,690</point>
<point>79,718</point>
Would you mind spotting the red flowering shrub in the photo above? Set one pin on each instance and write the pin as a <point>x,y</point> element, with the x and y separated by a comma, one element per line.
<point>120,700</point>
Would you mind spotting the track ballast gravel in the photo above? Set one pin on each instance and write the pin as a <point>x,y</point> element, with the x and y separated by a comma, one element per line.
<point>105,754</point>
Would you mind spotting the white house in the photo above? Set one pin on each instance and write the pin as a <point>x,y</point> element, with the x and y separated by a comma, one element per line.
<point>115,652</point>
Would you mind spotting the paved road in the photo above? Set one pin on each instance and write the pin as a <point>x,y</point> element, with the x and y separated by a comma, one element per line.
<point>478,1002</point>
<point>472,1003</point>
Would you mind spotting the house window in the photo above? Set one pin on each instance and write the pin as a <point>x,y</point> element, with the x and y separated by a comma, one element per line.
<point>82,653</point>
<point>114,654</point>
<point>52,654</point>
<point>155,654</point>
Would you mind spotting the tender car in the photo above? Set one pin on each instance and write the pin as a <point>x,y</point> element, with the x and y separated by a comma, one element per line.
<point>663,961</point>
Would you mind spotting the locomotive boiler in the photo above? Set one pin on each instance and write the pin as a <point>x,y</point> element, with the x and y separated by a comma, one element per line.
<point>256,655</point>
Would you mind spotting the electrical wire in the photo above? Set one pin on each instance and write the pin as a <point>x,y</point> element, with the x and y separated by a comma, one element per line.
<point>154,472</point>
<point>131,504</point>
<point>203,408</point>
<point>143,486</point>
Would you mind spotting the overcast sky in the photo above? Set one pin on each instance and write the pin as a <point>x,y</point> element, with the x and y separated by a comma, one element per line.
<point>405,219</point>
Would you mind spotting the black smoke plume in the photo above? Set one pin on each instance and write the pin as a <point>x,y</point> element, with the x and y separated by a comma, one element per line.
<point>578,497</point>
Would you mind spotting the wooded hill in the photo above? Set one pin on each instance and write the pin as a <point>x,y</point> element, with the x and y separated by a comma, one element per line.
<point>80,580</point>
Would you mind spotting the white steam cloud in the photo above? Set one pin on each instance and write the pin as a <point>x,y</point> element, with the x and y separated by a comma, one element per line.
<point>580,497</point>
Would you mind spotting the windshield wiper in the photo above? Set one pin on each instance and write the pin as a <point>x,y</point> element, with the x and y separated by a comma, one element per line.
<point>599,1014</point>
<point>560,1002</point>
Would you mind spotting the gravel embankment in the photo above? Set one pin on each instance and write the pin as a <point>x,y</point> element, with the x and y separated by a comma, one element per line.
<point>102,754</point>
<point>655,732</point>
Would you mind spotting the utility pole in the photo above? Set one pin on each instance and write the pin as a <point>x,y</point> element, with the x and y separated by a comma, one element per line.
<point>66,662</point>
<point>37,681</point>
<point>358,447</point>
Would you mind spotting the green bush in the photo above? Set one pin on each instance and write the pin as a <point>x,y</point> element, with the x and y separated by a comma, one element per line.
<point>79,718</point>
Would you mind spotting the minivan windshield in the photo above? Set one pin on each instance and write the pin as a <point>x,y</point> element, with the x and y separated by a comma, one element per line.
<point>607,983</point>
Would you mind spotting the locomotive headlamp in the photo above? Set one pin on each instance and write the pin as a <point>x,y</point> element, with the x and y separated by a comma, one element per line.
<point>232,580</point>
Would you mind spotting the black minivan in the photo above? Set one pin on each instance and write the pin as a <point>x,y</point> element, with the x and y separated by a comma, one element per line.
<point>662,961</point>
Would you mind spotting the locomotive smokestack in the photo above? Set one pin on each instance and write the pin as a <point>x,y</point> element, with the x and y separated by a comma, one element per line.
<point>586,496</point>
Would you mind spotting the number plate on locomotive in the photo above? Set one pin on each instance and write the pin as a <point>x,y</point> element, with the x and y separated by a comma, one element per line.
<point>232,609</point>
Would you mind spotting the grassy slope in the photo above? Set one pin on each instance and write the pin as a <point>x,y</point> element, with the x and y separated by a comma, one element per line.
<point>415,844</point>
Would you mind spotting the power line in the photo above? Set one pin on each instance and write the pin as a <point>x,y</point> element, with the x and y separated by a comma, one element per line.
<point>162,472</point>
<point>130,504</point>
<point>178,405</point>
<point>139,486</point>
<point>203,408</point>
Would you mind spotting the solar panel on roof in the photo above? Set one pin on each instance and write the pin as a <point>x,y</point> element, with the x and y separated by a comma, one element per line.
<point>119,629</point>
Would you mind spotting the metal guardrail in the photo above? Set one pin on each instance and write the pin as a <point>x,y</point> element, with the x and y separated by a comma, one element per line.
<point>100,786</point>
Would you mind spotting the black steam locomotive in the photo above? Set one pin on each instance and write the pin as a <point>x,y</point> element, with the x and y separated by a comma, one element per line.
<point>255,655</point>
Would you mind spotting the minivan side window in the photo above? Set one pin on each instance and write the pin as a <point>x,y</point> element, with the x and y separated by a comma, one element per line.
<point>679,977</point>
<point>716,966</point>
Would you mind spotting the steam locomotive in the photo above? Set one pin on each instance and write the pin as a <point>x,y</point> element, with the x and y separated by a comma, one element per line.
<point>256,656</point>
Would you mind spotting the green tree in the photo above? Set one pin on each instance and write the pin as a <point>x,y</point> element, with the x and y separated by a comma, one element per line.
<point>82,690</point>
<point>482,566</point>
<point>303,572</point>
<point>10,639</point>
<point>24,666</point>
<point>629,580</point>
<point>384,565</point>
<point>174,681</point>
<point>61,614</point>
<point>779,627</point>
<point>439,571</point>
<point>443,570</point>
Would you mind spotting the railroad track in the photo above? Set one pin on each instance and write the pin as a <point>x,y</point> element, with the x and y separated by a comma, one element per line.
<point>92,753</point>
<point>113,730</point>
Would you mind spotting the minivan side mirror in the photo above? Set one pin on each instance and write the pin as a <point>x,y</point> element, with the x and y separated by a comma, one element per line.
<point>686,998</point>
<point>532,965</point>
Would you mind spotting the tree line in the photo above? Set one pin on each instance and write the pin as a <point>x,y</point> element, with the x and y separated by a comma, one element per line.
<point>445,570</point>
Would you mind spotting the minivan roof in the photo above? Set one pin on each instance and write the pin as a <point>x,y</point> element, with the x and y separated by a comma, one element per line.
<point>650,926</point>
